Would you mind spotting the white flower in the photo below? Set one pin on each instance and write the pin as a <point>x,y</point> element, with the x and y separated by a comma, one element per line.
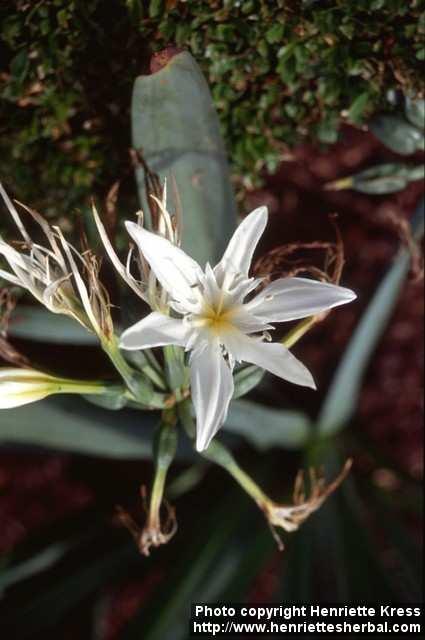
<point>215,323</point>
<point>52,274</point>
<point>22,386</point>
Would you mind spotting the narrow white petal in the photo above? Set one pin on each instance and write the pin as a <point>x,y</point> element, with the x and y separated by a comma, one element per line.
<point>10,278</point>
<point>212,390</point>
<point>294,298</point>
<point>247,322</point>
<point>174,269</point>
<point>16,374</point>
<point>81,287</point>
<point>238,255</point>
<point>22,386</point>
<point>273,357</point>
<point>12,210</point>
<point>156,330</point>
<point>121,269</point>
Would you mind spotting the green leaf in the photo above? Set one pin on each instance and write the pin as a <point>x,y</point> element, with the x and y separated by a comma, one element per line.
<point>218,561</point>
<point>275,33</point>
<point>40,561</point>
<point>71,424</point>
<point>341,400</point>
<point>355,113</point>
<point>40,325</point>
<point>247,379</point>
<point>175,126</point>
<point>165,617</point>
<point>386,178</point>
<point>47,607</point>
<point>397,135</point>
<point>265,427</point>
<point>415,112</point>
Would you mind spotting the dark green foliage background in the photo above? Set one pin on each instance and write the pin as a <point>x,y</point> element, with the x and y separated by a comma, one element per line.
<point>279,72</point>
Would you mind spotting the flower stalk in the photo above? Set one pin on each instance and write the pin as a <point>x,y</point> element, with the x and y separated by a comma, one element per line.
<point>157,531</point>
<point>300,329</point>
<point>287,517</point>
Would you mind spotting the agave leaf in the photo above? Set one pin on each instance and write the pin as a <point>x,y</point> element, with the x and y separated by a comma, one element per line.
<point>175,127</point>
<point>341,399</point>
<point>38,324</point>
<point>265,427</point>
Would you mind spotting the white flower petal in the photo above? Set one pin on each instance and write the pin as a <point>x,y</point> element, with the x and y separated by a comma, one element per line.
<point>238,255</point>
<point>10,278</point>
<point>16,374</point>
<point>124,273</point>
<point>81,286</point>
<point>156,330</point>
<point>16,394</point>
<point>294,298</point>
<point>22,386</point>
<point>12,210</point>
<point>273,357</point>
<point>212,389</point>
<point>247,322</point>
<point>174,269</point>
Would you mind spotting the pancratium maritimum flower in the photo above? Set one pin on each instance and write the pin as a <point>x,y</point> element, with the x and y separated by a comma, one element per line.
<point>52,274</point>
<point>22,386</point>
<point>215,322</point>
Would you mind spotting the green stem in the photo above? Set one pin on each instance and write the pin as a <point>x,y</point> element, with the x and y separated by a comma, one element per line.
<point>82,387</point>
<point>298,331</point>
<point>164,451</point>
<point>139,385</point>
<point>219,454</point>
<point>175,370</point>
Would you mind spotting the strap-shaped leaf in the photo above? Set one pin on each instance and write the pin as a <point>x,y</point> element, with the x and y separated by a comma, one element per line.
<point>341,400</point>
<point>72,424</point>
<point>39,324</point>
<point>265,427</point>
<point>175,127</point>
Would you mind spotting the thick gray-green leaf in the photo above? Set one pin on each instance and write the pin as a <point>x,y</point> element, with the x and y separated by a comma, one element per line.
<point>175,126</point>
<point>397,135</point>
<point>341,400</point>
<point>39,324</point>
<point>265,427</point>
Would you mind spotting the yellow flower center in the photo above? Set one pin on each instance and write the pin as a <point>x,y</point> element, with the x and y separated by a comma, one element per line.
<point>217,320</point>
